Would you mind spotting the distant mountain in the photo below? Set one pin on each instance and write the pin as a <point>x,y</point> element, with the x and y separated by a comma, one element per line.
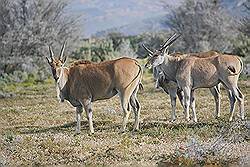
<point>132,17</point>
<point>102,15</point>
<point>152,24</point>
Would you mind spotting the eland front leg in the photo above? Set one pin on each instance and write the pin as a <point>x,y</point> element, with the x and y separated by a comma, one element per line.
<point>89,113</point>
<point>172,93</point>
<point>78,119</point>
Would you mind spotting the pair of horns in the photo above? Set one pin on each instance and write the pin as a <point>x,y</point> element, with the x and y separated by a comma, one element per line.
<point>165,45</point>
<point>169,41</point>
<point>61,52</point>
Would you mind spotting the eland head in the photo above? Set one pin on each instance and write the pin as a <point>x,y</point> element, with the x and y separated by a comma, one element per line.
<point>56,63</point>
<point>157,57</point>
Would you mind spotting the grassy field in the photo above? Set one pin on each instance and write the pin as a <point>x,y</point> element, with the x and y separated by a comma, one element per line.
<point>37,130</point>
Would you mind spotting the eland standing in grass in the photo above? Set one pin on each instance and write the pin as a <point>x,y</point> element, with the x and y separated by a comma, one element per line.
<point>85,82</point>
<point>171,87</point>
<point>193,72</point>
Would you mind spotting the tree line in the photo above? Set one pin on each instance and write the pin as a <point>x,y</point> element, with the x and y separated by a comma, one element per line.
<point>28,27</point>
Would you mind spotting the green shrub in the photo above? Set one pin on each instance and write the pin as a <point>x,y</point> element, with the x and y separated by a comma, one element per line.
<point>242,46</point>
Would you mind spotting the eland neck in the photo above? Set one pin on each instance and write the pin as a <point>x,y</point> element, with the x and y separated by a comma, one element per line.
<point>169,68</point>
<point>63,78</point>
<point>61,82</point>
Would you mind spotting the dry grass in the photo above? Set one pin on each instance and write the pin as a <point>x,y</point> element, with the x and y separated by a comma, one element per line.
<point>37,130</point>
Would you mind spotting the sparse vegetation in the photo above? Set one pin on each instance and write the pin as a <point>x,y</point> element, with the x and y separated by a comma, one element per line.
<point>35,129</point>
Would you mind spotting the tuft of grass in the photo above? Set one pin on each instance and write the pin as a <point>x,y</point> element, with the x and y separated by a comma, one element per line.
<point>9,137</point>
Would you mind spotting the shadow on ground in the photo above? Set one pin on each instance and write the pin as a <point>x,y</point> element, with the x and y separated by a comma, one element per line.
<point>109,125</point>
<point>68,127</point>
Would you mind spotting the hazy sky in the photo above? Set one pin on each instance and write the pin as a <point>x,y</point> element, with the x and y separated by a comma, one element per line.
<point>103,14</point>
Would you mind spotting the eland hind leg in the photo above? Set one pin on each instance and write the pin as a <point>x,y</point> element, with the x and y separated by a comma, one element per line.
<point>217,98</point>
<point>136,108</point>
<point>234,94</point>
<point>232,104</point>
<point>187,93</point>
<point>125,96</point>
<point>240,98</point>
<point>180,95</point>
